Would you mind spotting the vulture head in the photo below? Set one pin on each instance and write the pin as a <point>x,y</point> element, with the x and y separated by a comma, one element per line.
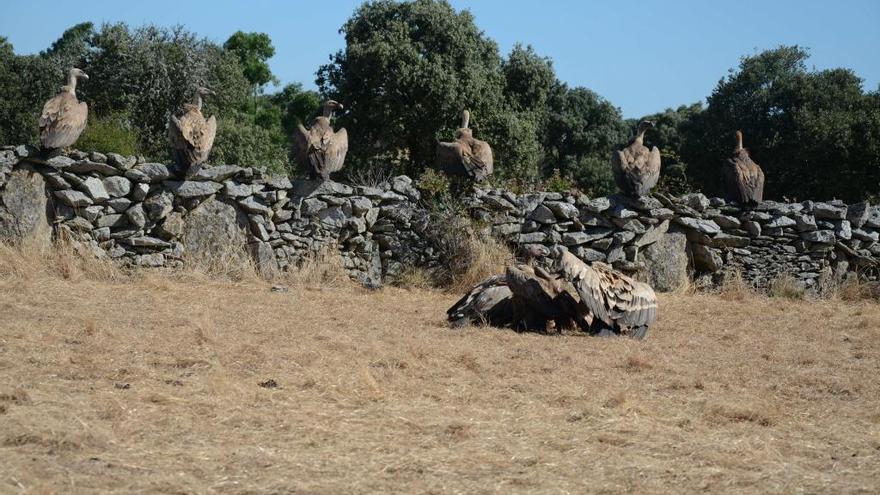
<point>643,127</point>
<point>331,106</point>
<point>203,91</point>
<point>72,77</point>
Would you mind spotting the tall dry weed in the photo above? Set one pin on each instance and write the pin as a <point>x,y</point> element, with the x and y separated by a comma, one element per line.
<point>322,268</point>
<point>64,258</point>
<point>733,286</point>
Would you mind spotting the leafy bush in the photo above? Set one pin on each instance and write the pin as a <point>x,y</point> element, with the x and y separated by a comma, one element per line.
<point>110,134</point>
<point>242,142</point>
<point>433,184</point>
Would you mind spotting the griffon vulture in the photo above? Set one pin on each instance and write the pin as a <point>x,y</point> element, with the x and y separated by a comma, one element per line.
<point>191,135</point>
<point>320,150</point>
<point>466,156</point>
<point>636,168</point>
<point>742,176</point>
<point>64,117</point>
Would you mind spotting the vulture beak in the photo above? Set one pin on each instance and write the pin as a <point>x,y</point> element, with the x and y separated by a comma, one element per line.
<point>339,106</point>
<point>83,75</point>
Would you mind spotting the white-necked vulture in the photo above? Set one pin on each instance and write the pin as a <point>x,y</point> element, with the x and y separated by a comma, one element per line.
<point>466,156</point>
<point>191,135</point>
<point>742,176</point>
<point>636,168</point>
<point>64,117</point>
<point>321,150</point>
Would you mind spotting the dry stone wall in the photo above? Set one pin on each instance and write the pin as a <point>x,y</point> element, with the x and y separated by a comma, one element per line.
<point>143,214</point>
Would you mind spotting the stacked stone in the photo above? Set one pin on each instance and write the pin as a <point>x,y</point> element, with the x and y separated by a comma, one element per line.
<point>632,235</point>
<point>804,240</point>
<point>141,214</point>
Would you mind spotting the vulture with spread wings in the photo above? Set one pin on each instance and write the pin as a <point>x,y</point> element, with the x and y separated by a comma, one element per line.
<point>64,117</point>
<point>592,297</point>
<point>636,168</point>
<point>321,150</point>
<point>466,156</point>
<point>742,176</point>
<point>192,136</point>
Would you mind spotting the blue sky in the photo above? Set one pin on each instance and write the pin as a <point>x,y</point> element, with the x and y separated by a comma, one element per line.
<point>643,56</point>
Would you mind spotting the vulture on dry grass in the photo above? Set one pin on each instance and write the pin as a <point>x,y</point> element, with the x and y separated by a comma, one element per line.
<point>321,150</point>
<point>191,135</point>
<point>64,117</point>
<point>606,300</point>
<point>489,302</point>
<point>636,168</point>
<point>592,297</point>
<point>466,156</point>
<point>743,177</point>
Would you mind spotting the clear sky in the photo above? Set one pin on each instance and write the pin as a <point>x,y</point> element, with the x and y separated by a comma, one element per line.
<point>643,56</point>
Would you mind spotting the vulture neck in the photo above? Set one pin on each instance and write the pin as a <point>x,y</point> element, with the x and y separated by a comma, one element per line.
<point>71,84</point>
<point>465,120</point>
<point>328,111</point>
<point>198,102</point>
<point>640,136</point>
<point>739,141</point>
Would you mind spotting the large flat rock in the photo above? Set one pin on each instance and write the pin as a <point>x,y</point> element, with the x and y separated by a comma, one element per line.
<point>23,214</point>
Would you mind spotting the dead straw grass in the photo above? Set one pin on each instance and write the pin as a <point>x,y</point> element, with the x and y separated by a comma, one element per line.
<point>162,384</point>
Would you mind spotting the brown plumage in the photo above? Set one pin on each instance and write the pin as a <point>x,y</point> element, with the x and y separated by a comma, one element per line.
<point>489,302</point>
<point>191,135</point>
<point>592,297</point>
<point>742,176</point>
<point>321,150</point>
<point>64,117</point>
<point>466,156</point>
<point>606,300</point>
<point>636,168</point>
<point>540,299</point>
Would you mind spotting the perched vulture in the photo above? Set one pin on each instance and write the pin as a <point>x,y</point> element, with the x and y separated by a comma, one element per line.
<point>743,177</point>
<point>320,150</point>
<point>607,301</point>
<point>191,135</point>
<point>64,117</point>
<point>466,156</point>
<point>489,302</point>
<point>636,168</point>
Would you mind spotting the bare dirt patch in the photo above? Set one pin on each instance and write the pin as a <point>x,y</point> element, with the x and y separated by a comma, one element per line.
<point>194,385</point>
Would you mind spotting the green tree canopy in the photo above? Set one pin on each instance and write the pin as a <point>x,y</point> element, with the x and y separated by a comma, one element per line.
<point>810,130</point>
<point>407,71</point>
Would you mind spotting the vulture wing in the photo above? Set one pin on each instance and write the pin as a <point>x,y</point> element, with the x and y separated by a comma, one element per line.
<point>192,137</point>
<point>335,150</point>
<point>479,160</point>
<point>62,120</point>
<point>588,284</point>
<point>744,178</point>
<point>449,158</point>
<point>490,301</point>
<point>619,166</point>
<point>301,140</point>
<point>612,297</point>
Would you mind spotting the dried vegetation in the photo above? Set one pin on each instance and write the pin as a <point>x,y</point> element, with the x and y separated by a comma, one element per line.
<point>199,383</point>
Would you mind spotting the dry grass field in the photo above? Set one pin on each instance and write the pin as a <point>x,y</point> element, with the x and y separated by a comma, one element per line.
<point>194,384</point>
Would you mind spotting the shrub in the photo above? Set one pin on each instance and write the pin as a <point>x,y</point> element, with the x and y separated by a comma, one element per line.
<point>110,134</point>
